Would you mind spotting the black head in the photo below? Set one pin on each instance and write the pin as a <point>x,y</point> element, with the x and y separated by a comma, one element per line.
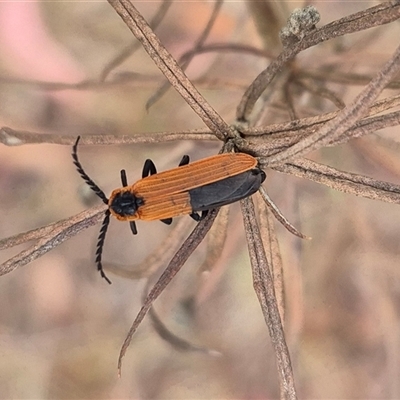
<point>124,203</point>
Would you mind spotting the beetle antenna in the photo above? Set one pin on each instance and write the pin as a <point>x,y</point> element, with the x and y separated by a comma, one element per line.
<point>83,174</point>
<point>100,243</point>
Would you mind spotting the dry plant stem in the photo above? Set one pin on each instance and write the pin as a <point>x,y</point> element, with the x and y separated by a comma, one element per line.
<point>273,253</point>
<point>12,137</point>
<point>379,15</point>
<point>274,143</point>
<point>169,67</point>
<point>24,237</point>
<point>358,185</point>
<point>172,269</point>
<point>184,64</point>
<point>278,214</point>
<point>264,288</point>
<point>367,126</point>
<point>321,91</point>
<point>131,48</point>
<point>346,118</point>
<point>303,123</point>
<point>227,47</point>
<point>340,77</point>
<point>60,232</point>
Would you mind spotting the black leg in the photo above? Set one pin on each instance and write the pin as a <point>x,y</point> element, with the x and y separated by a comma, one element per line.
<point>132,224</point>
<point>195,216</point>
<point>185,160</point>
<point>148,168</point>
<point>100,244</point>
<point>204,214</point>
<point>124,181</point>
<point>167,221</point>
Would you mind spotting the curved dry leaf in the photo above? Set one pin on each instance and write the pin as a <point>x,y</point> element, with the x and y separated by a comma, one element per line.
<point>264,288</point>
<point>59,233</point>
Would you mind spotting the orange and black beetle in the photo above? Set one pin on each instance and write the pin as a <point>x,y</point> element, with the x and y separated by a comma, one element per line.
<point>200,186</point>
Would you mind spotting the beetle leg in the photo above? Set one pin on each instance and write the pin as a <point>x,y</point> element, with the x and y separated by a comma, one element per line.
<point>195,216</point>
<point>124,181</point>
<point>132,224</point>
<point>204,214</point>
<point>185,160</point>
<point>148,168</point>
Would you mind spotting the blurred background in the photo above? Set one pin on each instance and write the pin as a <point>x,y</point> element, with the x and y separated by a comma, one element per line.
<point>62,326</point>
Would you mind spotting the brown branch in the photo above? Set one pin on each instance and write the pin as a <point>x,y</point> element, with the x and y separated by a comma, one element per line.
<point>264,288</point>
<point>273,254</point>
<point>379,15</point>
<point>276,212</point>
<point>48,239</point>
<point>172,269</point>
<point>346,182</point>
<point>346,118</point>
<point>12,137</point>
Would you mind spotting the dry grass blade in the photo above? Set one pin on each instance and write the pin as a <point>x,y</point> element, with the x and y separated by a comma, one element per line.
<point>274,144</point>
<point>227,47</point>
<point>309,122</point>
<point>169,67</point>
<point>264,288</point>
<point>59,233</point>
<point>346,118</point>
<point>273,254</point>
<point>278,214</point>
<point>172,269</point>
<point>378,15</point>
<point>12,137</point>
<point>368,125</point>
<point>346,182</point>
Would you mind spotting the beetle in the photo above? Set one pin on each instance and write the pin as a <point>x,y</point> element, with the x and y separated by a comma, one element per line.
<point>187,189</point>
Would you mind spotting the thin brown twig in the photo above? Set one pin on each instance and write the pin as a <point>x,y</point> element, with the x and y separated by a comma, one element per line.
<point>346,182</point>
<point>273,208</point>
<point>273,254</point>
<point>264,288</point>
<point>172,269</point>
<point>346,118</point>
<point>12,137</point>
<point>379,15</point>
<point>59,233</point>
